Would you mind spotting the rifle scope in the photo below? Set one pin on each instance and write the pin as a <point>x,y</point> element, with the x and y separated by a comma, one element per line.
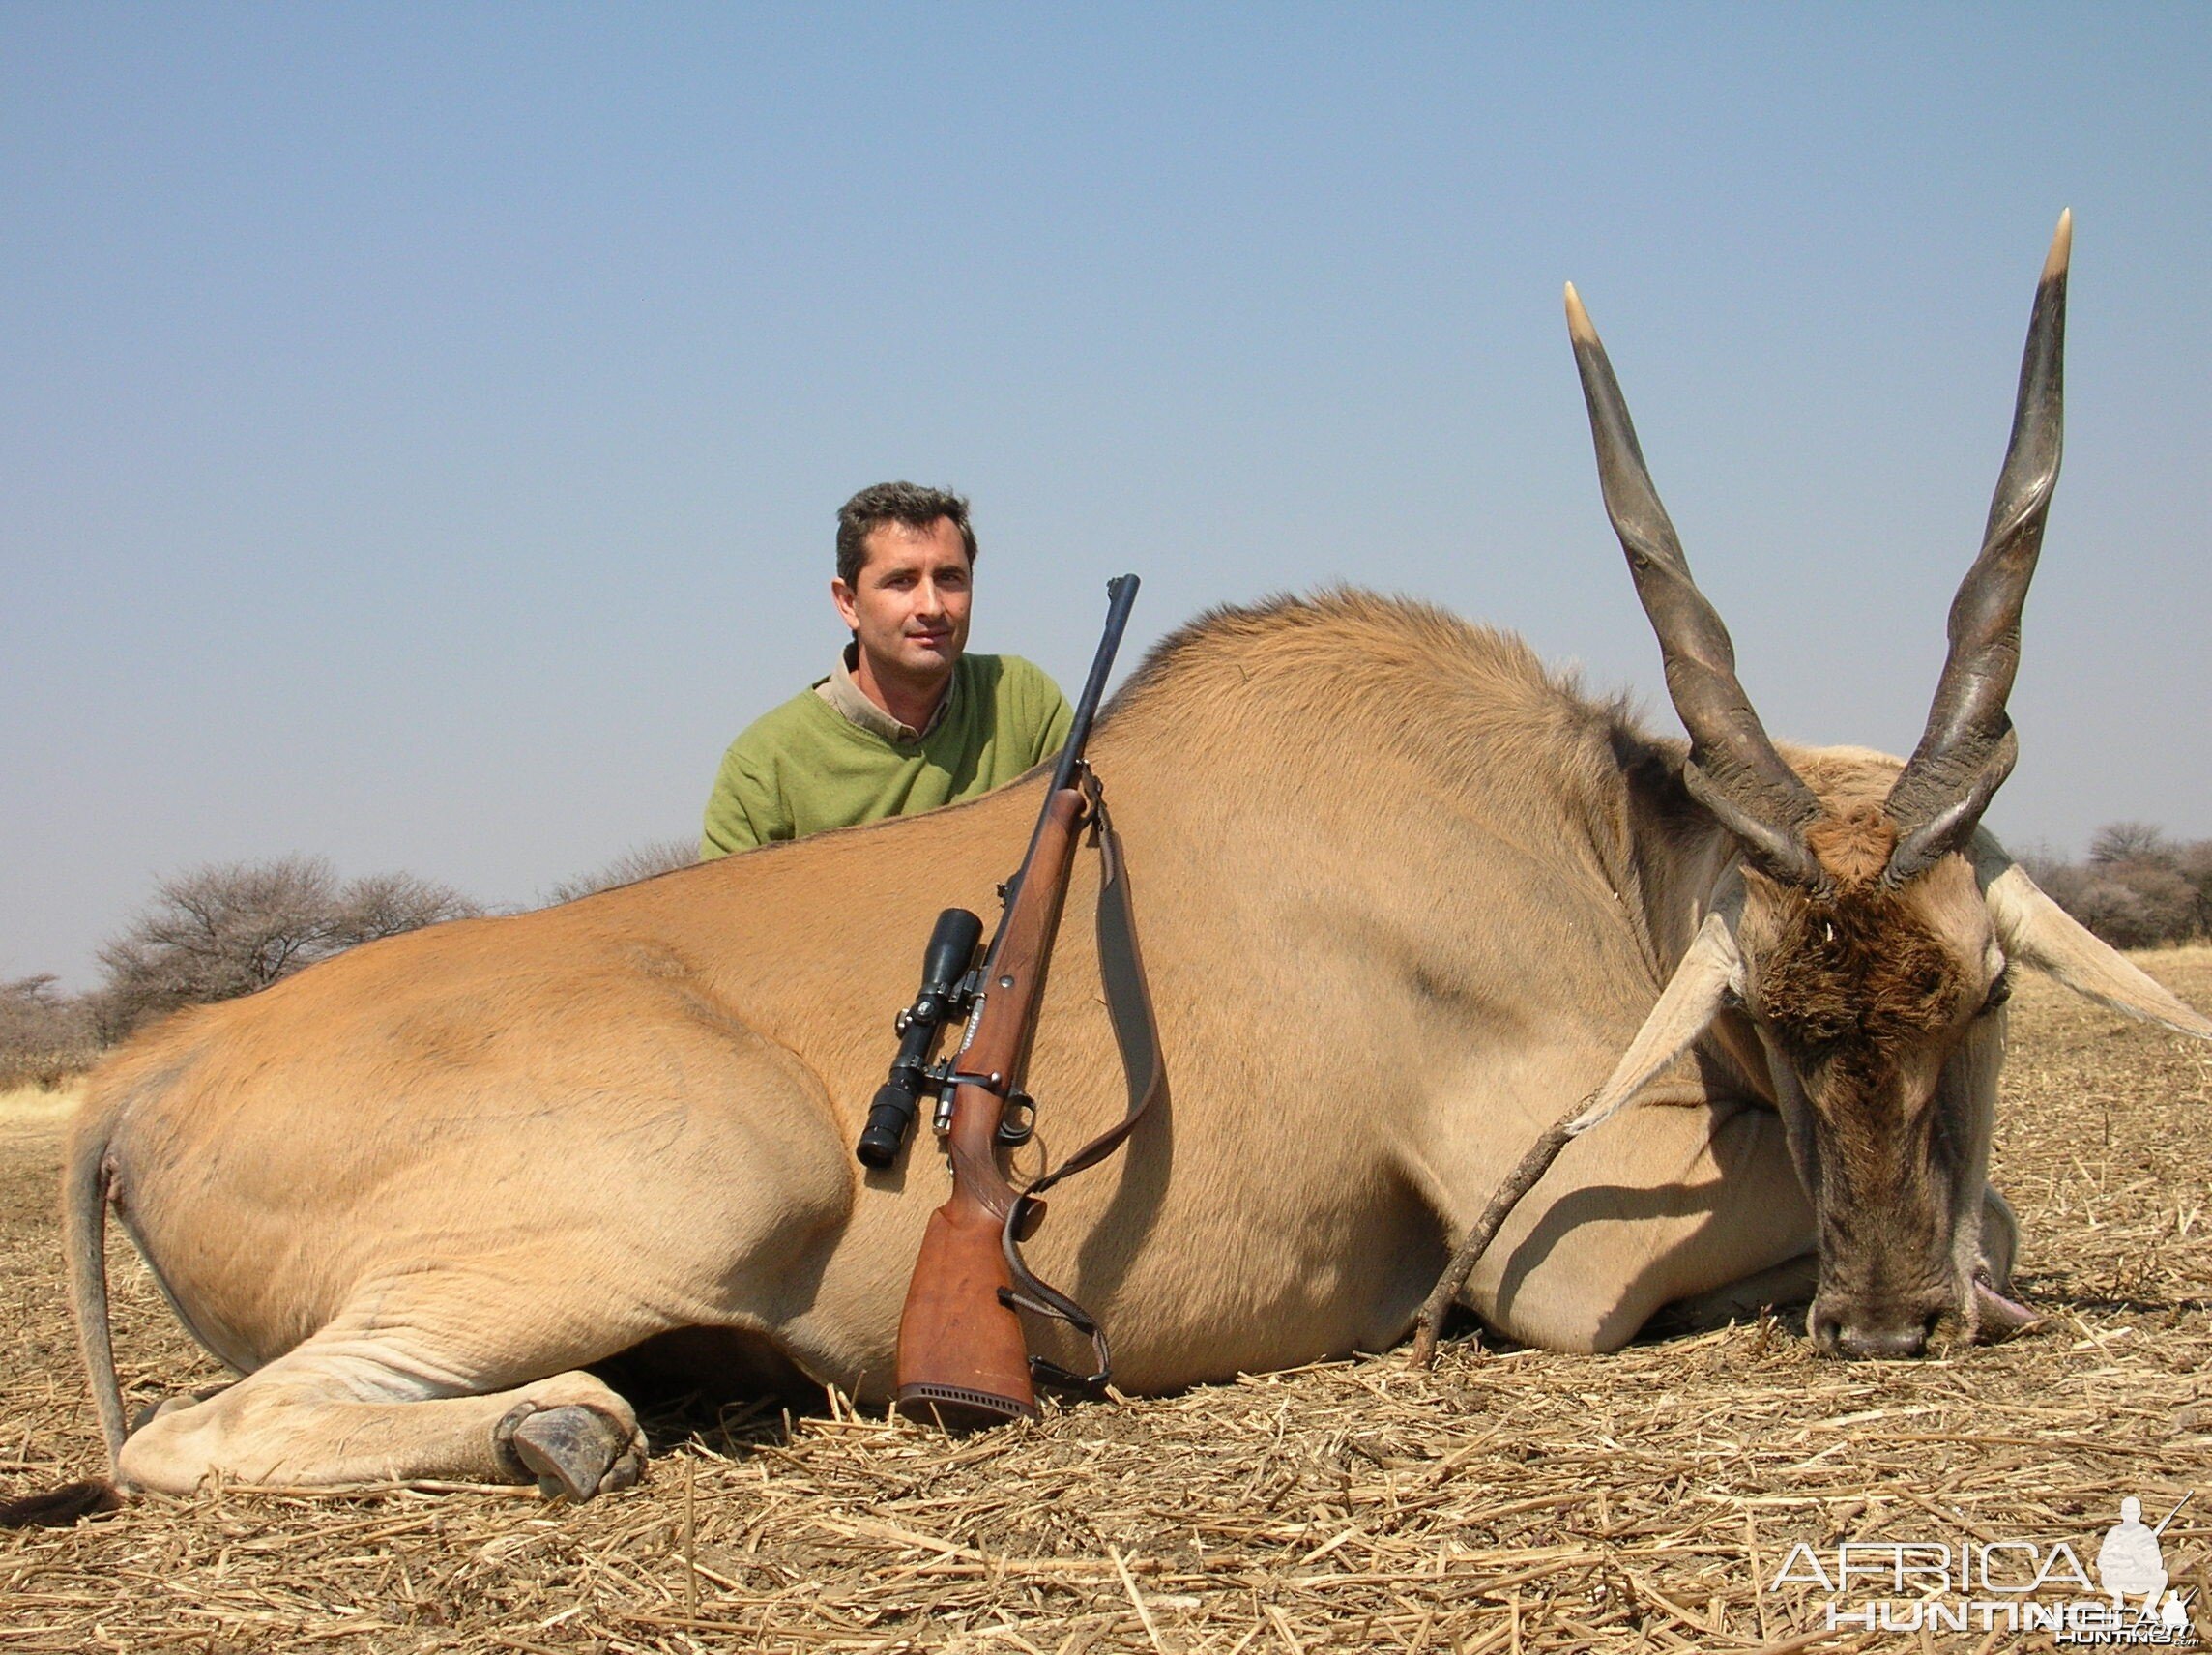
<point>943,962</point>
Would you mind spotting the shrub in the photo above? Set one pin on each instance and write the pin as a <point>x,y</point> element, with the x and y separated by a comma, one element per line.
<point>2138,888</point>
<point>44,1037</point>
<point>2194,864</point>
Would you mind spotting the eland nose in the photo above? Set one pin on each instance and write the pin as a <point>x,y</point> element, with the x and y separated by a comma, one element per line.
<point>1862,1333</point>
<point>1877,1343</point>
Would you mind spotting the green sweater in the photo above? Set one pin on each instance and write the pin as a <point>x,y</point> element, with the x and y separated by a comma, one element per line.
<point>805,766</point>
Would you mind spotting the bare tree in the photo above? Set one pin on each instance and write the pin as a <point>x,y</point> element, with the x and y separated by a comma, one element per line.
<point>384,904</point>
<point>2121,842</point>
<point>217,932</point>
<point>638,862</point>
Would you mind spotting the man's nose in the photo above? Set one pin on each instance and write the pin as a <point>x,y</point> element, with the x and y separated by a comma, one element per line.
<point>929,598</point>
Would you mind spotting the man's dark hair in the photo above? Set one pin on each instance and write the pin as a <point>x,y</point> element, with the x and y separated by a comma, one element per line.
<point>904,503</point>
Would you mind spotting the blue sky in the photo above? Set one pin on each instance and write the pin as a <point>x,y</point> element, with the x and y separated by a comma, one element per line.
<point>420,428</point>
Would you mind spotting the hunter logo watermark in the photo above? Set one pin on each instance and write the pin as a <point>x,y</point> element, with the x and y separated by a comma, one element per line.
<point>2013,1586</point>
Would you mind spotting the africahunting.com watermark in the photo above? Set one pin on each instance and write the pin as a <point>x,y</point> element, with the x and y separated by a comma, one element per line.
<point>2013,1586</point>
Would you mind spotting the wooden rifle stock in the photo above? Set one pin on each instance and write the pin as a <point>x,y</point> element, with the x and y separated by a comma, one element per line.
<point>963,1360</point>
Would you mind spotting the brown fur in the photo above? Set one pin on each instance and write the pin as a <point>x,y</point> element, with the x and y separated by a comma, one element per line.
<point>1854,844</point>
<point>1859,964</point>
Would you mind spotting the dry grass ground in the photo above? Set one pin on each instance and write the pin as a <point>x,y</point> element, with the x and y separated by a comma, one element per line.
<point>1507,1502</point>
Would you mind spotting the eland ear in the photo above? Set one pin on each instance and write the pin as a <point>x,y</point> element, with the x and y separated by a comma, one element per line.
<point>2035,930</point>
<point>1711,972</point>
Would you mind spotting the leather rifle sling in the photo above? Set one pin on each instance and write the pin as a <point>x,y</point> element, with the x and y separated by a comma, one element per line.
<point>1137,1035</point>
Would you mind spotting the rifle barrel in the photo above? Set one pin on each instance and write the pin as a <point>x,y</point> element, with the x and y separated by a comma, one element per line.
<point>1121,597</point>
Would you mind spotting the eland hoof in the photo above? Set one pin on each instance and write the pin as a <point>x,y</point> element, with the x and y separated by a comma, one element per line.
<point>175,1405</point>
<point>577,1451</point>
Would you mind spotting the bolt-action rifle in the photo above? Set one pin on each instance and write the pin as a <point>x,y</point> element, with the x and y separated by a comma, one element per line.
<point>963,1359</point>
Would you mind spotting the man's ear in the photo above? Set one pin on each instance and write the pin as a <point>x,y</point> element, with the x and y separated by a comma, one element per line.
<point>842,596</point>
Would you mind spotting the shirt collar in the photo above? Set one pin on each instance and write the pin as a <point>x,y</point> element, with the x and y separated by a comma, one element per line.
<point>844,694</point>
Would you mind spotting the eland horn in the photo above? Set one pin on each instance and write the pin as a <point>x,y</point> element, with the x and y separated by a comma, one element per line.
<point>1969,747</point>
<point>1733,770</point>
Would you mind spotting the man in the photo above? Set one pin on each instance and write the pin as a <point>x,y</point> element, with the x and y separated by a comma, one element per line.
<point>907,720</point>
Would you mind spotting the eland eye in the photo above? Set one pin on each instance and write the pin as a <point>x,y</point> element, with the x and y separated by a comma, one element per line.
<point>2000,991</point>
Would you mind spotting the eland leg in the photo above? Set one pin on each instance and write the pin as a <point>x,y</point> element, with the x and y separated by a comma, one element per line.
<point>473,1271</point>
<point>1788,1284</point>
<point>338,1411</point>
<point>1661,1202</point>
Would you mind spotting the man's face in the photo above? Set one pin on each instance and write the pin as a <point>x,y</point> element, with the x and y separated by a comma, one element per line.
<point>909,608</point>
